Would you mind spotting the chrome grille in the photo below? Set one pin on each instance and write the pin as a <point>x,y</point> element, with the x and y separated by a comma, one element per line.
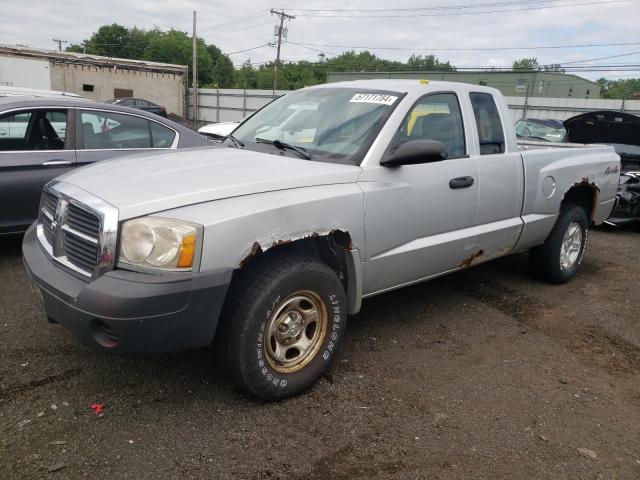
<point>81,252</point>
<point>83,221</point>
<point>49,202</point>
<point>72,230</point>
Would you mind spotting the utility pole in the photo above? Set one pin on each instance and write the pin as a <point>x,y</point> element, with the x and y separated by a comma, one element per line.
<point>194,74</point>
<point>59,42</point>
<point>279,34</point>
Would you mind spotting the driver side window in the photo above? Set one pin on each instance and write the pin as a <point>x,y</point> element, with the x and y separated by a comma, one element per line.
<point>435,117</point>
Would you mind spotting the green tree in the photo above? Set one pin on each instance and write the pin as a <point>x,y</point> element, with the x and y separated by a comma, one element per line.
<point>428,62</point>
<point>526,64</point>
<point>109,41</point>
<point>214,53</point>
<point>176,47</point>
<point>619,89</point>
<point>223,72</point>
<point>246,76</point>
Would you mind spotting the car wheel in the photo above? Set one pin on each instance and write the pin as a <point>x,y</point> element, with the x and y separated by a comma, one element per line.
<point>282,325</point>
<point>558,259</point>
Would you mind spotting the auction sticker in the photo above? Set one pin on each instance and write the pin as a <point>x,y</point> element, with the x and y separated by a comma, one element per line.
<point>373,98</point>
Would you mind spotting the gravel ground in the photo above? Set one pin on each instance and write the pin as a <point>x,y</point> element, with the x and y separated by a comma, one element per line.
<point>485,373</point>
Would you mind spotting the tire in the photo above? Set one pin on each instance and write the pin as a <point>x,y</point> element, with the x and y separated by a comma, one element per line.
<point>548,262</point>
<point>272,302</point>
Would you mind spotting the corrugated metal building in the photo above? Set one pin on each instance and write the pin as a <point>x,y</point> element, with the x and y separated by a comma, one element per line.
<point>512,84</point>
<point>94,77</point>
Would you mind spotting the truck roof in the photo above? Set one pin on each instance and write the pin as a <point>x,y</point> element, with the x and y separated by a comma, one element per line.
<point>410,86</point>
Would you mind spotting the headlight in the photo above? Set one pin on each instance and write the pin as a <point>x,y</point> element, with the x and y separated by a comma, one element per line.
<point>160,243</point>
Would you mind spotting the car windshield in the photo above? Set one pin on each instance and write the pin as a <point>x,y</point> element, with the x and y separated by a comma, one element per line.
<point>328,124</point>
<point>548,130</point>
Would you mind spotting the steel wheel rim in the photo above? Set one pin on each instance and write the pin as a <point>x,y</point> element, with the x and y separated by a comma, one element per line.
<point>295,332</point>
<point>571,246</point>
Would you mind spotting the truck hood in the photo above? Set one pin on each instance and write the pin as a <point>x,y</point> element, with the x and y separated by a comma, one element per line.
<point>151,182</point>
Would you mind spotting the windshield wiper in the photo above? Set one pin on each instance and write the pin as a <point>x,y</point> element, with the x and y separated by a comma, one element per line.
<point>235,141</point>
<point>282,146</point>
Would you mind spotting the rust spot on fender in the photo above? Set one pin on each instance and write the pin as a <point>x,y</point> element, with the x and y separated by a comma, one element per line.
<point>256,249</point>
<point>585,182</point>
<point>469,260</point>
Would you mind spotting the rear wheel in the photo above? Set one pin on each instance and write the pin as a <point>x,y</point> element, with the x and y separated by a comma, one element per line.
<point>558,259</point>
<point>282,325</point>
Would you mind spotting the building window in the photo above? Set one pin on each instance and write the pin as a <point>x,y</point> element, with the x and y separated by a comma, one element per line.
<point>87,88</point>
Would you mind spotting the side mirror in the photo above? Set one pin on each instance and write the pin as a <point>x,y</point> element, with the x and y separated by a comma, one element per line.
<point>413,152</point>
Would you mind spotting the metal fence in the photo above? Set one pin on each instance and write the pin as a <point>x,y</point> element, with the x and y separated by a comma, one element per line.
<point>228,105</point>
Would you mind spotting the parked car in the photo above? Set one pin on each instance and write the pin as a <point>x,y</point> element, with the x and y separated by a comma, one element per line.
<point>139,104</point>
<point>218,131</point>
<point>622,131</point>
<point>545,129</point>
<point>11,91</point>
<point>285,126</point>
<point>268,246</point>
<point>42,138</point>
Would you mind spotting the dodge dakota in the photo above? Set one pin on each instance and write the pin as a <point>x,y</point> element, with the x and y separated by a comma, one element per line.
<point>262,246</point>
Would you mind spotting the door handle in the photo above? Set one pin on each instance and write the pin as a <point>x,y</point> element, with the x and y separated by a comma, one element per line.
<point>56,163</point>
<point>460,182</point>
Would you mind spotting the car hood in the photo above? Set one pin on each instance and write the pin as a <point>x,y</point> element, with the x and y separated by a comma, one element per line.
<point>149,183</point>
<point>604,127</point>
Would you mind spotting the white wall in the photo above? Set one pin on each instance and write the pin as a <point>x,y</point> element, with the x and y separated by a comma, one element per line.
<point>563,108</point>
<point>25,72</point>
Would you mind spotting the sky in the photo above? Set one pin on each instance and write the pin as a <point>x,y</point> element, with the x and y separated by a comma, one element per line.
<point>413,27</point>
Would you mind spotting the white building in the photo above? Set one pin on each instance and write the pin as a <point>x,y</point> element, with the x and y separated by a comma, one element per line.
<point>94,77</point>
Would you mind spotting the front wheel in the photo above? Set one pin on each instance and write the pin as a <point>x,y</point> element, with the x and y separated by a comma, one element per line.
<point>282,325</point>
<point>558,259</point>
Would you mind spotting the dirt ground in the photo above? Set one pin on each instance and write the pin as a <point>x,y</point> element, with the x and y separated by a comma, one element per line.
<point>484,374</point>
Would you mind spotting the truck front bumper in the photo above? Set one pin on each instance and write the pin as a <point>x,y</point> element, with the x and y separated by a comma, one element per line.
<point>126,311</point>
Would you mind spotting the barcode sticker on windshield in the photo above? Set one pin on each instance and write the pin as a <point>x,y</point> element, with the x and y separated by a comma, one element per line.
<point>373,98</point>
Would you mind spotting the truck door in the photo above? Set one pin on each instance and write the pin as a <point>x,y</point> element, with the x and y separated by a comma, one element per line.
<point>419,219</point>
<point>501,184</point>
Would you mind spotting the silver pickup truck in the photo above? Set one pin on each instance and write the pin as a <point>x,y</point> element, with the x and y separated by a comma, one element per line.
<point>326,196</point>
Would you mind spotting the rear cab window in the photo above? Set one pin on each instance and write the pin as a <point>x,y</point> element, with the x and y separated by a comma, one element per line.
<point>488,123</point>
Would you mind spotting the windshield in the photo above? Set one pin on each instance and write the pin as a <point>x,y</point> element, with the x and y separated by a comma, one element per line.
<point>548,130</point>
<point>328,124</point>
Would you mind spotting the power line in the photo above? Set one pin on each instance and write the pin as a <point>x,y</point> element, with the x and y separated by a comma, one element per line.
<point>235,21</point>
<point>311,48</point>
<point>249,49</point>
<point>237,30</point>
<point>471,49</point>
<point>602,58</point>
<point>449,14</point>
<point>414,9</point>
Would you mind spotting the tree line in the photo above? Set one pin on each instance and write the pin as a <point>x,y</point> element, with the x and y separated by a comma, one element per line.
<point>215,69</point>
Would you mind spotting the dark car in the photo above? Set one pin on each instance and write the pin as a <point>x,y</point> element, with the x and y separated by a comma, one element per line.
<point>42,138</point>
<point>140,104</point>
<point>621,131</point>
